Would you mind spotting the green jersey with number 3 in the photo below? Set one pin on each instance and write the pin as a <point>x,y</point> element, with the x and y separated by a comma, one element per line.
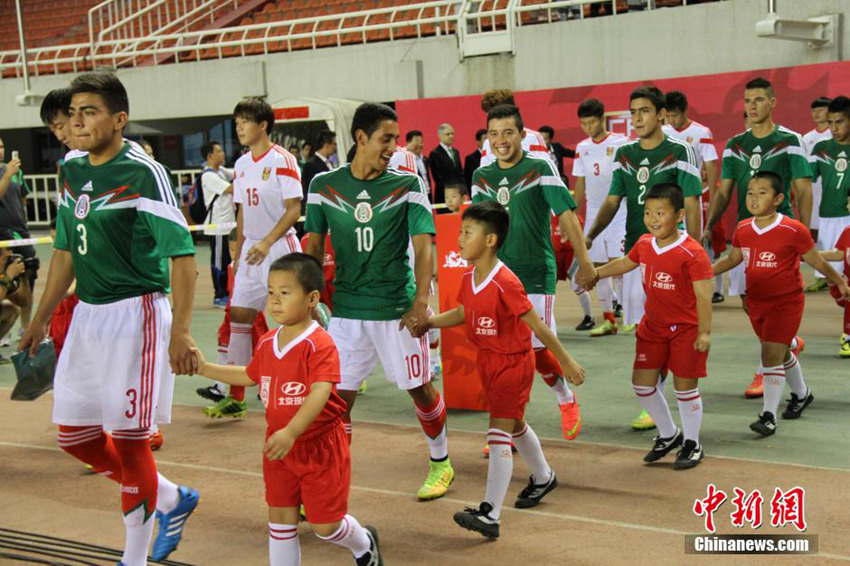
<point>371,223</point>
<point>120,222</point>
<point>636,170</point>
<point>829,162</point>
<point>531,190</point>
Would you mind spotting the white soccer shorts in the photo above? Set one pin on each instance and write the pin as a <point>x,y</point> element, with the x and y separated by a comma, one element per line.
<point>545,307</point>
<point>634,297</point>
<point>737,281</point>
<point>611,242</point>
<point>251,284</point>
<point>828,234</point>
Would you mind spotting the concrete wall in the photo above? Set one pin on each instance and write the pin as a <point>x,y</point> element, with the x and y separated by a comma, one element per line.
<point>707,38</point>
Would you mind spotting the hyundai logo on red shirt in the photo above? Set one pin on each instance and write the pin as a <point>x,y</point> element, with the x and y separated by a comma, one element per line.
<point>767,256</point>
<point>663,277</point>
<point>293,388</point>
<point>486,322</point>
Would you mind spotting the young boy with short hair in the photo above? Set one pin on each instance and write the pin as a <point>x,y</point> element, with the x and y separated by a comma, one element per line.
<point>499,321</point>
<point>770,245</point>
<point>306,459</point>
<point>455,195</point>
<point>675,331</point>
<point>842,253</point>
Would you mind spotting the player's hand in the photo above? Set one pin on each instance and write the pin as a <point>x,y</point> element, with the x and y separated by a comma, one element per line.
<point>258,252</point>
<point>32,337</point>
<point>703,343</point>
<point>199,361</point>
<point>180,355</point>
<point>411,319</point>
<point>573,372</point>
<point>844,290</point>
<point>586,275</point>
<point>15,269</point>
<point>12,168</point>
<point>279,444</point>
<point>705,239</point>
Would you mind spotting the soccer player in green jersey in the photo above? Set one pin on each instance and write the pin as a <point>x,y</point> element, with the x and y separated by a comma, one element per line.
<point>765,146</point>
<point>118,224</point>
<point>531,189</point>
<point>372,214</point>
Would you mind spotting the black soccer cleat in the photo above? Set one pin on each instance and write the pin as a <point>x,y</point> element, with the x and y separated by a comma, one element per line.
<point>586,323</point>
<point>717,298</point>
<point>796,406</point>
<point>479,520</point>
<point>213,393</point>
<point>663,446</point>
<point>766,425</point>
<point>373,557</point>
<point>689,456</point>
<point>618,310</point>
<point>534,493</point>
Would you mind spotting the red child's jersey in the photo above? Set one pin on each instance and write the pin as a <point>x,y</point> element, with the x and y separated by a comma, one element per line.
<point>286,375</point>
<point>257,331</point>
<point>329,267</point>
<point>772,255</point>
<point>557,245</point>
<point>843,244</point>
<point>668,276</point>
<point>493,309</point>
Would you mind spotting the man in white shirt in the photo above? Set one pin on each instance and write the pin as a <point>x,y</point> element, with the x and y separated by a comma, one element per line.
<point>415,144</point>
<point>218,197</point>
<point>820,132</point>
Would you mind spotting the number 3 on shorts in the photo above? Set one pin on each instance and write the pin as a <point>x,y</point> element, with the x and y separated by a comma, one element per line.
<point>131,412</point>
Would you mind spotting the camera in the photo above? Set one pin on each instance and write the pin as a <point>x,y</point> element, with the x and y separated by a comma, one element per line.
<point>30,263</point>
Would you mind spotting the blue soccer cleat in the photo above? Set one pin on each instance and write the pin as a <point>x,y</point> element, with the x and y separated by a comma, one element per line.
<point>171,524</point>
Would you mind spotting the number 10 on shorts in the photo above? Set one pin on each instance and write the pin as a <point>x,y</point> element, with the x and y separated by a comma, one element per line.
<point>414,366</point>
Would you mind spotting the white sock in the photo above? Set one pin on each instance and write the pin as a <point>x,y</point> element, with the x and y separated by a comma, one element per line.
<point>662,384</point>
<point>528,446</point>
<point>605,294</point>
<point>137,537</point>
<point>350,535</point>
<point>774,386</point>
<point>618,288</point>
<point>794,377</point>
<point>500,468</point>
<point>239,351</point>
<point>718,284</point>
<point>584,301</point>
<point>690,411</point>
<point>654,403</point>
<point>167,494</point>
<point>563,391</point>
<point>284,549</point>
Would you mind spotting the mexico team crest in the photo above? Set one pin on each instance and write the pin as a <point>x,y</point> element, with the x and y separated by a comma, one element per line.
<point>266,172</point>
<point>841,164</point>
<point>81,210</point>
<point>755,161</point>
<point>610,150</point>
<point>503,196</point>
<point>643,175</point>
<point>363,212</point>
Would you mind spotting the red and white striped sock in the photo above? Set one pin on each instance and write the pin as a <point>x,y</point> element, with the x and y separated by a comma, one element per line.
<point>138,492</point>
<point>550,370</point>
<point>528,446</point>
<point>284,549</point>
<point>92,446</point>
<point>653,402</point>
<point>774,386</point>
<point>500,468</point>
<point>794,377</point>
<point>690,411</point>
<point>350,535</point>
<point>239,350</point>
<point>433,421</point>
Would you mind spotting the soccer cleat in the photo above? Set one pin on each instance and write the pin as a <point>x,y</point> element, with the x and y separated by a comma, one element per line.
<point>156,441</point>
<point>795,406</point>
<point>479,520</point>
<point>534,493</point>
<point>663,446</point>
<point>766,425</point>
<point>570,419</point>
<point>689,456</point>
<point>801,346</point>
<point>227,407</point>
<point>363,387</point>
<point>220,303</point>
<point>586,323</point>
<point>618,310</point>
<point>604,329</point>
<point>819,284</point>
<point>756,387</point>
<point>440,477</point>
<point>628,328</point>
<point>171,524</point>
<point>844,352</point>
<point>211,393</point>
<point>717,298</point>
<point>373,557</point>
<point>643,421</point>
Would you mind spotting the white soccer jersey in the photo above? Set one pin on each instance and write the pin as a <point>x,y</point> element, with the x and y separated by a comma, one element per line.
<point>595,162</point>
<point>698,137</point>
<point>814,136</point>
<point>403,160</point>
<point>261,185</point>
<point>532,143</point>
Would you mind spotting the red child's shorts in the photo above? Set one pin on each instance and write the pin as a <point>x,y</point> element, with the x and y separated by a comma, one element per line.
<point>316,472</point>
<point>777,319</point>
<point>507,380</point>
<point>672,347</point>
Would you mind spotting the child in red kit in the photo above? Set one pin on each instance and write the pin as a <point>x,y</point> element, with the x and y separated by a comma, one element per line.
<point>770,245</point>
<point>306,457</point>
<point>329,268</point>
<point>842,253</point>
<point>675,331</point>
<point>499,320</point>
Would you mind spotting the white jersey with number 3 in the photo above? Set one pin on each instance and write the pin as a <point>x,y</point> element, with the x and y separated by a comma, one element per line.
<point>261,185</point>
<point>595,162</point>
<point>532,143</point>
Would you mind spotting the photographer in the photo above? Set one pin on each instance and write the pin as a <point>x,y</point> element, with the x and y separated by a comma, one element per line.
<point>13,268</point>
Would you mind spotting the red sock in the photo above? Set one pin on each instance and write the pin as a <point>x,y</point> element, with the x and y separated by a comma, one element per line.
<point>609,316</point>
<point>847,318</point>
<point>237,392</point>
<point>547,366</point>
<point>92,446</point>
<point>432,418</point>
<point>139,481</point>
<point>346,423</point>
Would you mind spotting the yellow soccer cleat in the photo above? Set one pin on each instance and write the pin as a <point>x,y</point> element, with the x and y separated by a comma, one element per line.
<point>440,477</point>
<point>604,329</point>
<point>628,328</point>
<point>845,349</point>
<point>643,422</point>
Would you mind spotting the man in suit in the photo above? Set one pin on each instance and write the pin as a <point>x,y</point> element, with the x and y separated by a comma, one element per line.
<point>473,160</point>
<point>415,145</point>
<point>445,163</point>
<point>318,163</point>
<point>557,152</point>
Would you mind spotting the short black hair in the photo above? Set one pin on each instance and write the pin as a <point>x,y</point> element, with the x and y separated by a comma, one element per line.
<point>775,180</point>
<point>821,102</point>
<point>505,111</point>
<point>208,147</point>
<point>676,100</point>
<point>368,118</point>
<point>670,192</point>
<point>652,94</point>
<point>306,144</point>
<point>324,138</point>
<point>591,108</point>
<point>412,134</point>
<point>293,148</point>
<point>255,110</point>
<point>493,216</point>
<point>840,104</point>
<point>307,269</point>
<point>480,134</point>
<point>107,86</point>
<point>760,82</point>
<point>547,130</point>
<point>57,101</point>
<point>459,187</point>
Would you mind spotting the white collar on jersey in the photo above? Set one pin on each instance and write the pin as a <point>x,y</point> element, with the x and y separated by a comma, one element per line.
<point>769,227</point>
<point>300,338</point>
<point>478,288</point>
<point>668,247</point>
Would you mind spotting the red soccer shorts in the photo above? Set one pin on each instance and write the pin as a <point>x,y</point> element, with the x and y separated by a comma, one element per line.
<point>564,259</point>
<point>778,318</point>
<point>670,347</point>
<point>507,380</point>
<point>718,239</point>
<point>316,472</point>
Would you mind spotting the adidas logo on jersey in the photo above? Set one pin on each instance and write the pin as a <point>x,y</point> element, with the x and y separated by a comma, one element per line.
<point>88,187</point>
<point>645,161</point>
<point>363,195</point>
<point>757,149</point>
<point>842,154</point>
<point>503,182</point>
